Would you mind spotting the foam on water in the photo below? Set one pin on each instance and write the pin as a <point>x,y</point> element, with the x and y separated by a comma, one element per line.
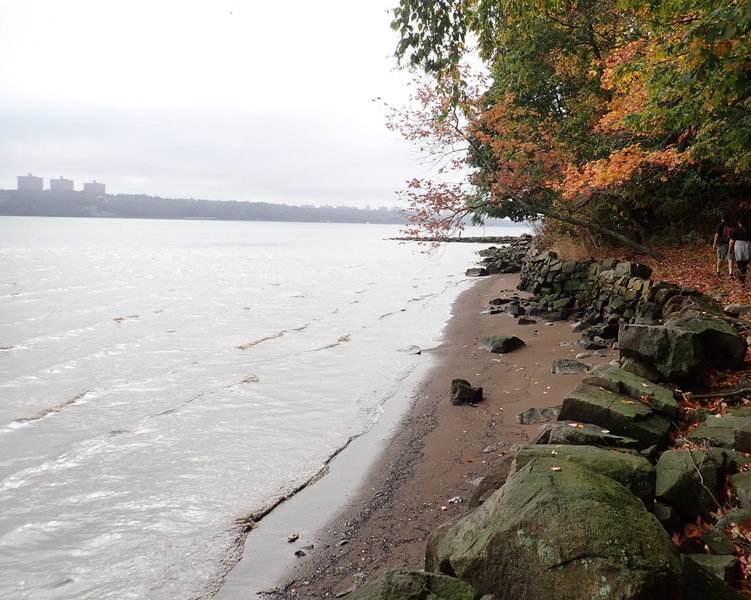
<point>162,379</point>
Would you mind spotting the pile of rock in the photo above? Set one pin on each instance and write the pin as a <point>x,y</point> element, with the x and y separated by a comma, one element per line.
<point>604,291</point>
<point>504,259</point>
<point>588,510</point>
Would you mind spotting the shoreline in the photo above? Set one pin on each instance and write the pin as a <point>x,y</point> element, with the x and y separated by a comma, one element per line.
<point>426,469</point>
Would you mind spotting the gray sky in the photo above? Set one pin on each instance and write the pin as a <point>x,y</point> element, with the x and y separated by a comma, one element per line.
<point>219,99</point>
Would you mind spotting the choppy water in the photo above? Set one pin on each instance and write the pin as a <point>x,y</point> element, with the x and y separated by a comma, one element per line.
<point>161,379</point>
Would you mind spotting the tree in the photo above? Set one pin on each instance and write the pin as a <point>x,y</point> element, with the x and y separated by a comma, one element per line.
<point>597,113</point>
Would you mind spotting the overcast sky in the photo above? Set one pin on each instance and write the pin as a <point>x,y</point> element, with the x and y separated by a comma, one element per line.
<point>218,99</point>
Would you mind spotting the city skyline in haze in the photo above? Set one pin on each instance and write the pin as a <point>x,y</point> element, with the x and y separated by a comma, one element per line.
<point>222,100</point>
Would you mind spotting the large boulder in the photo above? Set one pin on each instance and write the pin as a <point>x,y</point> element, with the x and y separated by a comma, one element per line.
<point>619,414</point>
<point>617,380</point>
<point>722,345</point>
<point>416,585</point>
<point>632,471</point>
<point>673,352</point>
<point>558,530</point>
<point>683,344</point>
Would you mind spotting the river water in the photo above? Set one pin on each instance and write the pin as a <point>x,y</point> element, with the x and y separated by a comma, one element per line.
<point>160,380</point>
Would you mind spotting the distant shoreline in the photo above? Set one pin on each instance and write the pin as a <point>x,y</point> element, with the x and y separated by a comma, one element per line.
<point>48,203</point>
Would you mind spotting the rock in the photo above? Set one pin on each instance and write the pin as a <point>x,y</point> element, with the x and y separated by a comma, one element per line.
<point>674,353</point>
<point>717,431</point>
<point>723,346</point>
<point>632,471</point>
<point>500,301</point>
<point>565,366</point>
<point>582,355</point>
<point>734,516</point>
<point>411,350</point>
<point>559,527</point>
<point>525,321</point>
<point>741,484</point>
<point>702,584</point>
<point>592,343</point>
<point>683,344</point>
<point>721,567</point>
<point>537,415</point>
<point>500,344</point>
<point>718,542</point>
<point>617,413</point>
<point>737,310</point>
<point>742,437</point>
<point>462,392</point>
<point>689,481</point>
<point>600,353</point>
<point>514,310</point>
<point>619,381</point>
<point>632,269</point>
<point>493,481</point>
<point>668,516</point>
<point>476,272</point>
<point>642,369</point>
<point>585,434</point>
<point>415,585</point>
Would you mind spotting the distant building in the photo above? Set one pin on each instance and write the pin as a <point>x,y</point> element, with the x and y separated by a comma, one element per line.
<point>30,183</point>
<point>94,188</point>
<point>61,185</point>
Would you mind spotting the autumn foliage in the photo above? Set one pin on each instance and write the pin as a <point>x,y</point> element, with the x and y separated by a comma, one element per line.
<point>620,117</point>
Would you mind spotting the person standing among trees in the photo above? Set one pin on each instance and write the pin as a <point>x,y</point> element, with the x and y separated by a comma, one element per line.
<point>720,244</point>
<point>740,248</point>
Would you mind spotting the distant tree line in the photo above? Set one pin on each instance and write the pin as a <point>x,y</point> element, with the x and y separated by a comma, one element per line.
<point>141,206</point>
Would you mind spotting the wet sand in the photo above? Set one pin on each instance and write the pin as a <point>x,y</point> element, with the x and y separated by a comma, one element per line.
<point>430,465</point>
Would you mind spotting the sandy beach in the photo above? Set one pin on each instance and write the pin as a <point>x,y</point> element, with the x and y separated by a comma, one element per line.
<point>429,469</point>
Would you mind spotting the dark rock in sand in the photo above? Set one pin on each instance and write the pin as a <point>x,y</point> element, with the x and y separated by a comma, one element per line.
<point>525,321</point>
<point>537,415</point>
<point>500,344</point>
<point>514,309</point>
<point>462,392</point>
<point>566,366</point>
<point>416,585</point>
<point>585,434</point>
<point>477,272</point>
<point>558,530</point>
<point>499,301</point>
